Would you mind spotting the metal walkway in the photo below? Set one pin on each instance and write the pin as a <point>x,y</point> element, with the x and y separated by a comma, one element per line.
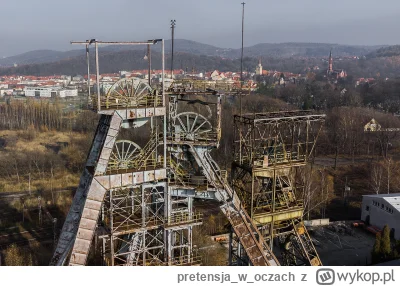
<point>256,248</point>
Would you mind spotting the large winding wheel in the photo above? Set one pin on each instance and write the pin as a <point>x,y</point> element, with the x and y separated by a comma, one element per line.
<point>193,127</point>
<point>129,92</point>
<point>123,154</point>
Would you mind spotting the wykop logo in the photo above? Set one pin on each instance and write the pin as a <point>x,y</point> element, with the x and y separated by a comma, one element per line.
<point>325,276</point>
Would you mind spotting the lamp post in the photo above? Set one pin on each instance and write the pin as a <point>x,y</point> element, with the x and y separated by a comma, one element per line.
<point>88,42</point>
<point>148,58</point>
<point>173,23</point>
<point>241,60</point>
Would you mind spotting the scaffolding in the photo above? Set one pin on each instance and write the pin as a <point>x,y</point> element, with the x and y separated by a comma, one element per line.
<point>269,151</point>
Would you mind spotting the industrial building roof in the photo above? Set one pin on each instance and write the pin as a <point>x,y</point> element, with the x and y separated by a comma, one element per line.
<point>391,199</point>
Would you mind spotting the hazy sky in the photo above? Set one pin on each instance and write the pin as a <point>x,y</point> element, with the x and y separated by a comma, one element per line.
<point>50,24</point>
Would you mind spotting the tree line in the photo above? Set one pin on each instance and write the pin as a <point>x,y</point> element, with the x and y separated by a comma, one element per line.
<point>44,115</point>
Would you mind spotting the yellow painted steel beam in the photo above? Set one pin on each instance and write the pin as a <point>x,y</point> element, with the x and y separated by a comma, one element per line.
<point>278,216</point>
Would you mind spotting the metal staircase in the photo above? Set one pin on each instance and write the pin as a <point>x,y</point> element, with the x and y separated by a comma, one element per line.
<point>256,249</point>
<point>146,152</point>
<point>302,250</point>
<point>180,175</point>
<point>136,243</point>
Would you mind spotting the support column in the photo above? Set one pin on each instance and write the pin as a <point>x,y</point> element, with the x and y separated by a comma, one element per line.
<point>112,228</point>
<point>230,260</point>
<point>97,77</point>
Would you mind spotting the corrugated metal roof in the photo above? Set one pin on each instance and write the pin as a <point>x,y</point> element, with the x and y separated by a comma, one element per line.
<point>392,199</point>
<point>384,195</point>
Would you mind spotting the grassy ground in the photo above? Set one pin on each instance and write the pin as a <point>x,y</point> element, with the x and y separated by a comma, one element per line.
<point>54,161</point>
<point>48,160</point>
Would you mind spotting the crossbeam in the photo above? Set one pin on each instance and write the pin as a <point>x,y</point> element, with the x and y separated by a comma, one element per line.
<point>277,117</point>
<point>148,42</point>
<point>96,43</point>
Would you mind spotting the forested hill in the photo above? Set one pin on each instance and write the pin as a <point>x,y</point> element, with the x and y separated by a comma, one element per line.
<point>280,50</point>
<point>285,50</point>
<point>384,52</point>
<point>125,60</point>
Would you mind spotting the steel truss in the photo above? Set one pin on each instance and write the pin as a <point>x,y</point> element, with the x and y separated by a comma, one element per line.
<point>269,150</point>
<point>138,200</point>
<point>148,226</point>
<point>124,200</point>
<point>193,171</point>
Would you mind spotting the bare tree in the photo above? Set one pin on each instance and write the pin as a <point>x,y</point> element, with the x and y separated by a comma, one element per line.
<point>376,176</point>
<point>318,190</point>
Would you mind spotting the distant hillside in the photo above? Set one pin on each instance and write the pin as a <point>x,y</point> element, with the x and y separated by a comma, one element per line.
<point>384,52</point>
<point>282,50</point>
<point>47,56</point>
<point>124,60</point>
<point>307,50</point>
<point>111,62</point>
<point>39,56</point>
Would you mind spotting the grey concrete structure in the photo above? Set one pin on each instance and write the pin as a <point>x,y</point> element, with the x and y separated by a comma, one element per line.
<point>382,209</point>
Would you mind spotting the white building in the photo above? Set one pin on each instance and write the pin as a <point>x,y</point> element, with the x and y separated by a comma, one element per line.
<point>47,92</point>
<point>104,87</point>
<point>35,91</point>
<point>382,209</point>
<point>78,78</point>
<point>66,77</point>
<point>124,74</point>
<point>68,92</point>
<point>6,92</point>
<point>373,125</point>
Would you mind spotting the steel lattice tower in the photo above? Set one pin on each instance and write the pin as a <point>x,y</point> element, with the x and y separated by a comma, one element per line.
<point>123,200</point>
<point>138,201</point>
<point>269,151</point>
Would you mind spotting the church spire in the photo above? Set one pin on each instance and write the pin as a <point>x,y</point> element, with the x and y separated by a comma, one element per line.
<point>330,68</point>
<point>259,70</point>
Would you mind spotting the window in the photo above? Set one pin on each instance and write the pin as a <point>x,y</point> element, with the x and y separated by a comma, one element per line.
<point>382,206</point>
<point>367,208</point>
